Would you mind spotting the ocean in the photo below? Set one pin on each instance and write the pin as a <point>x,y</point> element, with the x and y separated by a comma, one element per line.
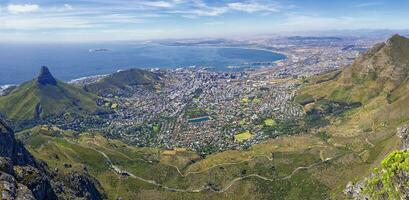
<point>22,62</point>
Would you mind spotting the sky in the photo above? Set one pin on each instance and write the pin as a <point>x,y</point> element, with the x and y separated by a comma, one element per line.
<point>113,20</point>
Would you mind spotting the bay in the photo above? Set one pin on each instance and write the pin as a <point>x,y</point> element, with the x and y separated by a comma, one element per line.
<point>21,62</point>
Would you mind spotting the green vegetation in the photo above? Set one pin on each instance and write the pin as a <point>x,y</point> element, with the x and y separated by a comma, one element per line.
<point>241,137</point>
<point>349,125</point>
<point>323,136</point>
<point>122,80</point>
<point>391,178</point>
<point>270,122</point>
<point>33,101</point>
<point>114,106</point>
<point>59,150</point>
<point>156,128</point>
<point>193,111</point>
<point>244,100</point>
<point>304,99</point>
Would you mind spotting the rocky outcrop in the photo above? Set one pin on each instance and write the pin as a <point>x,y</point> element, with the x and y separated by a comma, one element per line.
<point>403,134</point>
<point>10,189</point>
<point>354,191</point>
<point>77,184</point>
<point>13,149</point>
<point>18,163</point>
<point>45,77</point>
<point>36,180</point>
<point>24,178</point>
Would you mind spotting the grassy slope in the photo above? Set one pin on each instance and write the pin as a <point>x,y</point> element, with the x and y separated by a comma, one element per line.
<point>367,132</point>
<point>21,103</point>
<point>360,138</point>
<point>124,79</point>
<point>218,169</point>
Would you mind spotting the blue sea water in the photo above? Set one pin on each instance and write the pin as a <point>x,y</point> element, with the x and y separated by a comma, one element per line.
<point>22,62</point>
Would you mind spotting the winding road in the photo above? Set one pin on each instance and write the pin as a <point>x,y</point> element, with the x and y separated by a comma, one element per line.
<point>120,172</point>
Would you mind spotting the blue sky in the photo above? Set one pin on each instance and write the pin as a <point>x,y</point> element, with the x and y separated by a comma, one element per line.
<point>105,20</point>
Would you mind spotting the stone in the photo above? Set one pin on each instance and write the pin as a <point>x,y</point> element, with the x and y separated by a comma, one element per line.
<point>45,77</point>
<point>403,133</point>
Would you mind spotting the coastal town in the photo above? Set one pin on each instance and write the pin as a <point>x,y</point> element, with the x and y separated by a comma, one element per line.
<point>210,110</point>
<point>207,110</point>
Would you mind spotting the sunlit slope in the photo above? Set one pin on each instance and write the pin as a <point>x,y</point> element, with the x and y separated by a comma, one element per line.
<point>35,100</point>
<point>378,82</point>
<point>381,71</point>
<point>116,82</point>
<point>272,170</point>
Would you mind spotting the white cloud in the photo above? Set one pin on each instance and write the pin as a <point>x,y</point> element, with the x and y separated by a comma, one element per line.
<point>201,12</point>
<point>252,7</point>
<point>67,6</point>
<point>159,4</point>
<point>23,8</point>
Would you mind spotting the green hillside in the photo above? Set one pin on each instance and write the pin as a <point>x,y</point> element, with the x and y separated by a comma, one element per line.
<point>40,98</point>
<point>378,82</point>
<point>123,80</point>
<point>277,169</point>
<point>381,71</point>
<point>355,114</point>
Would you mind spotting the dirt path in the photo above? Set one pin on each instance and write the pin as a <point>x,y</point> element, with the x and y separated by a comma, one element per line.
<point>120,172</point>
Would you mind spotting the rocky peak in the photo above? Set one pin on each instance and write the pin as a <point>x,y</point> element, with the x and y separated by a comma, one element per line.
<point>45,77</point>
<point>396,40</point>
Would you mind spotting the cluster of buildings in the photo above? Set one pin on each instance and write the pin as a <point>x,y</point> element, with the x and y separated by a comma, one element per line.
<point>205,110</point>
<point>202,110</point>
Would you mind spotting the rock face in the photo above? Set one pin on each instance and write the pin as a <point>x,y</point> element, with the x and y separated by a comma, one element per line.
<point>20,169</point>
<point>403,134</point>
<point>24,178</point>
<point>354,191</point>
<point>80,185</point>
<point>11,189</point>
<point>45,77</point>
<point>13,149</point>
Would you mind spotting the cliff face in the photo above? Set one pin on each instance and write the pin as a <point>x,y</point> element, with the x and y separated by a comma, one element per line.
<point>13,149</point>
<point>19,171</point>
<point>22,177</point>
<point>45,77</point>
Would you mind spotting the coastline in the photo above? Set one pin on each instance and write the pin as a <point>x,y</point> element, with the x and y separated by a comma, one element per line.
<point>279,56</point>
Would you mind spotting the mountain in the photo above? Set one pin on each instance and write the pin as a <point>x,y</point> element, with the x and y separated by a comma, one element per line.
<point>23,177</point>
<point>119,82</point>
<point>378,82</point>
<point>382,70</point>
<point>45,96</point>
<point>352,114</point>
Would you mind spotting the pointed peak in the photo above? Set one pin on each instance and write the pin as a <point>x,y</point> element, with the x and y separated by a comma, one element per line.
<point>45,77</point>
